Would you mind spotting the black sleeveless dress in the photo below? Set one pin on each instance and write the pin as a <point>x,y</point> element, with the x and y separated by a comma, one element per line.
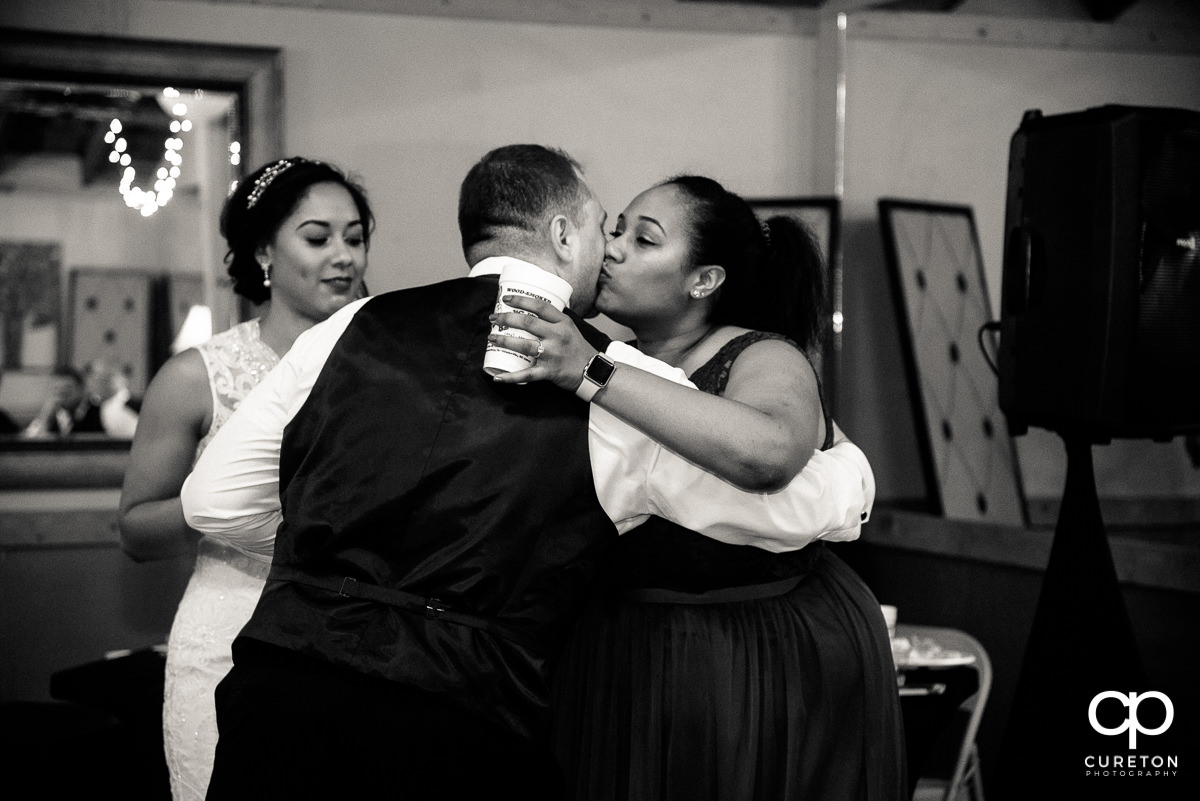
<point>703,670</point>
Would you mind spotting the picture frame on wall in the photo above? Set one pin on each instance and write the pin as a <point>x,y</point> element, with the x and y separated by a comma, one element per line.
<point>30,305</point>
<point>821,214</point>
<point>111,319</point>
<point>940,293</point>
<point>31,337</point>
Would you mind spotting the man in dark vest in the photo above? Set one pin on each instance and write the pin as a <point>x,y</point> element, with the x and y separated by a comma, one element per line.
<point>68,408</point>
<point>439,531</point>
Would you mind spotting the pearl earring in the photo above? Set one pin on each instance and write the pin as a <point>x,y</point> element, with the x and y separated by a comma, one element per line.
<point>266,273</point>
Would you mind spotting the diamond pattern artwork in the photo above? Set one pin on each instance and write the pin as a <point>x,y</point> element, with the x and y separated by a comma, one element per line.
<point>110,318</point>
<point>942,304</point>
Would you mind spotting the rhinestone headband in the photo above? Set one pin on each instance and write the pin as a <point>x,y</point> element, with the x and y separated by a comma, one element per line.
<point>263,181</point>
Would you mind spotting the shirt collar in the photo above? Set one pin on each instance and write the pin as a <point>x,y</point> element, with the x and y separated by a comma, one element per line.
<point>492,265</point>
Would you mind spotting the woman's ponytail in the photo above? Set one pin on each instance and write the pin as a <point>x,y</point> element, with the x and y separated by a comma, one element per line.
<point>792,274</point>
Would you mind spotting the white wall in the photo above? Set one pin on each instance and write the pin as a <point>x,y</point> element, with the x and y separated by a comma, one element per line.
<point>931,120</point>
<point>410,102</point>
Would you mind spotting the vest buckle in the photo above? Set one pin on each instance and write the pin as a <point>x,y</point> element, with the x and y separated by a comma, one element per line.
<point>434,609</point>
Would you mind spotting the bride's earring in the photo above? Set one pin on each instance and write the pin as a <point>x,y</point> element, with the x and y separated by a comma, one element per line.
<point>266,267</point>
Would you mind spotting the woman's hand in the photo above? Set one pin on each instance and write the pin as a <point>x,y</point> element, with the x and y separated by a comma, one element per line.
<point>564,351</point>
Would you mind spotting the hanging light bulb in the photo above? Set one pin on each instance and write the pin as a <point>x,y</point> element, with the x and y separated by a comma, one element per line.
<point>149,201</point>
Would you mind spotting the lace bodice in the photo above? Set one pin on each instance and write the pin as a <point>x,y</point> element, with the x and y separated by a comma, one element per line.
<point>222,592</point>
<point>236,360</point>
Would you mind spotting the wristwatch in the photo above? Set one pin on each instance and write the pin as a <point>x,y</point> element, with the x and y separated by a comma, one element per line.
<point>595,376</point>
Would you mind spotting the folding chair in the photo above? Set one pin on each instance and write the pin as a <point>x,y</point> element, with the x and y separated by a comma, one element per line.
<point>957,735</point>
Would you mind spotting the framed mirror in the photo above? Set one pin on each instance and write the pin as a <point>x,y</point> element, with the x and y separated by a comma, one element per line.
<point>115,157</point>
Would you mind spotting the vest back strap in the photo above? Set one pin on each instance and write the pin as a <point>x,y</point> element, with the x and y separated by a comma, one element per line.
<point>431,608</point>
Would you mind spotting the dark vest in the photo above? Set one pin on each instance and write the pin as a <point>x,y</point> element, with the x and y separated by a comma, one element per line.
<point>440,530</point>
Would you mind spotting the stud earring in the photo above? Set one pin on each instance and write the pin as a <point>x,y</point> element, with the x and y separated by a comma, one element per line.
<point>697,293</point>
<point>266,273</point>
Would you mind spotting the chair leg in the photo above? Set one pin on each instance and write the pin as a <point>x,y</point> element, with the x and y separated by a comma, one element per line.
<point>971,781</point>
<point>974,775</point>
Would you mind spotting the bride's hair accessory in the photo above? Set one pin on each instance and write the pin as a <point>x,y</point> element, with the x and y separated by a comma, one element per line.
<point>263,181</point>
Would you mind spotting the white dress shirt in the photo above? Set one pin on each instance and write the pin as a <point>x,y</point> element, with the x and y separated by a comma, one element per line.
<point>232,493</point>
<point>116,416</point>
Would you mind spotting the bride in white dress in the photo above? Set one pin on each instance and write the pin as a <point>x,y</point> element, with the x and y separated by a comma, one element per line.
<point>297,232</point>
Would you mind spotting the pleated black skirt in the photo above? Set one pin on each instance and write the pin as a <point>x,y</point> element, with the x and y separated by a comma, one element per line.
<point>781,690</point>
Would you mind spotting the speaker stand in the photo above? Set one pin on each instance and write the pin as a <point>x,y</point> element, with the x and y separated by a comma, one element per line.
<point>1081,644</point>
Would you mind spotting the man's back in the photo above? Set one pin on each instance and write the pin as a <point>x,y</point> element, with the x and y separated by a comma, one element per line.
<point>439,529</point>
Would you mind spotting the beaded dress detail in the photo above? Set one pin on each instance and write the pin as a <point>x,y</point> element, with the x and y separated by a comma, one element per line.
<point>222,592</point>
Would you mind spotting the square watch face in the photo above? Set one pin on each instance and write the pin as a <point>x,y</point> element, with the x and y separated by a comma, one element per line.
<point>599,370</point>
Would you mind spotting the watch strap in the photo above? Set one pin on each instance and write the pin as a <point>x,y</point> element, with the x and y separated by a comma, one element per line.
<point>596,374</point>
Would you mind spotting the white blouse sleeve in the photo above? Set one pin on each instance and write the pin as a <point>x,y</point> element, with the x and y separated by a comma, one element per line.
<point>636,477</point>
<point>232,493</point>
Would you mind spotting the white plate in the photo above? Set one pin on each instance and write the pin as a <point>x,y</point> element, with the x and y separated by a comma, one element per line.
<point>924,652</point>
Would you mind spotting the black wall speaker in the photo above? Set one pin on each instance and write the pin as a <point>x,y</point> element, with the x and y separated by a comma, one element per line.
<point>1100,295</point>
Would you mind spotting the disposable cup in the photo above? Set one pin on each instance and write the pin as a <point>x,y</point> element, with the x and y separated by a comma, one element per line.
<point>518,278</point>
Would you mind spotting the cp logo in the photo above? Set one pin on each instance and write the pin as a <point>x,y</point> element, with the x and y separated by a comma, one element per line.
<point>1131,723</point>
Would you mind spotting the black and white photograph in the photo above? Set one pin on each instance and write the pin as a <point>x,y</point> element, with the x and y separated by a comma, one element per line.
<point>600,400</point>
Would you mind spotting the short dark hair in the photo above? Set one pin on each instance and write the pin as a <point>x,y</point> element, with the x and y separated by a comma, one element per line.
<point>259,205</point>
<point>511,192</point>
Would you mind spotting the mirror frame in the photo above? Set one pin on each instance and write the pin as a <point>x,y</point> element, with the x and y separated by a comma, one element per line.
<point>255,74</point>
